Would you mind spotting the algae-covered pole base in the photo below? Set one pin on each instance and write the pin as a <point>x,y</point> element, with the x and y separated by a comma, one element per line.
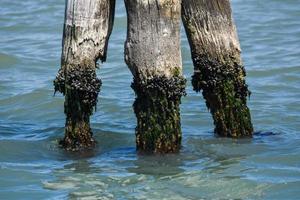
<point>88,24</point>
<point>218,68</point>
<point>152,52</point>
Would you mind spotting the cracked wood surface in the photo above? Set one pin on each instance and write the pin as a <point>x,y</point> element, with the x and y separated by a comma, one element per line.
<point>218,69</point>
<point>210,28</point>
<point>153,37</point>
<point>87,28</point>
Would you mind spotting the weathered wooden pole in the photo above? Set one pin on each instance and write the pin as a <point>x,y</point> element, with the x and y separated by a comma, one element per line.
<point>152,52</point>
<point>88,24</point>
<point>218,68</point>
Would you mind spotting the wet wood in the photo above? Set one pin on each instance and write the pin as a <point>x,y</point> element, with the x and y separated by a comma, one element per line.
<point>219,71</point>
<point>152,52</point>
<point>88,24</point>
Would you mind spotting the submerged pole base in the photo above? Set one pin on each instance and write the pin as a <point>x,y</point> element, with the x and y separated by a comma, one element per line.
<point>225,91</point>
<point>78,136</point>
<point>158,114</point>
<point>81,87</point>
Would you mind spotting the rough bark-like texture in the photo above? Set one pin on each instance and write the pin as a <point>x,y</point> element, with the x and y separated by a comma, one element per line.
<point>152,52</point>
<point>88,24</point>
<point>218,68</point>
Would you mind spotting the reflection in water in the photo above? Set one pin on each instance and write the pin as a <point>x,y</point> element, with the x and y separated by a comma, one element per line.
<point>81,167</point>
<point>80,179</point>
<point>207,167</point>
<point>90,153</point>
<point>158,165</point>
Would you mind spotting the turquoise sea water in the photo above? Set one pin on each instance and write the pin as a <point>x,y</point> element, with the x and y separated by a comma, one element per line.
<point>32,120</point>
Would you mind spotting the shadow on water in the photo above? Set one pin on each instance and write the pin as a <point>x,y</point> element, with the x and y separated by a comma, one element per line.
<point>269,137</point>
<point>263,134</point>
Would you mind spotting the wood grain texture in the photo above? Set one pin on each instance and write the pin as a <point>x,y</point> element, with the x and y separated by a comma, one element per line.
<point>153,37</point>
<point>218,67</point>
<point>87,28</point>
<point>152,53</point>
<point>210,28</point>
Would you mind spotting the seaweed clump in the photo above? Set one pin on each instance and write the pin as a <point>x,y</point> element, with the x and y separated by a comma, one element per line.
<point>81,88</point>
<point>225,90</point>
<point>158,113</point>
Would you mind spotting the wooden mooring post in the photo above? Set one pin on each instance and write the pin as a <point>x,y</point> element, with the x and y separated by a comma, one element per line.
<point>218,68</point>
<point>88,24</point>
<point>152,53</point>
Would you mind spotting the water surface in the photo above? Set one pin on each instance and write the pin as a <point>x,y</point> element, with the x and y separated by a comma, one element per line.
<point>32,120</point>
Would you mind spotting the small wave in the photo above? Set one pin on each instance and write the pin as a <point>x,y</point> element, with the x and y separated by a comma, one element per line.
<point>7,62</point>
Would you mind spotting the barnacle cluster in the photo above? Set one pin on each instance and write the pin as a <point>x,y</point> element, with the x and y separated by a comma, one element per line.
<point>81,85</point>
<point>59,82</point>
<point>81,88</point>
<point>210,74</point>
<point>225,90</point>
<point>170,88</point>
<point>158,113</point>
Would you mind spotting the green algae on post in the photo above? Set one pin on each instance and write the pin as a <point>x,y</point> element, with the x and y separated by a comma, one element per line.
<point>152,53</point>
<point>158,113</point>
<point>218,68</point>
<point>85,39</point>
<point>225,91</point>
<point>81,88</point>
